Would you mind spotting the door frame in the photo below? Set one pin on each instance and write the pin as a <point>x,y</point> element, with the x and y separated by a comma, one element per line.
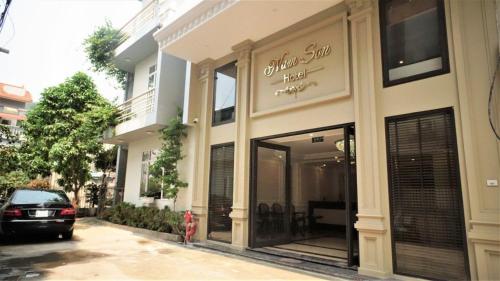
<point>253,174</point>
<point>454,146</point>
<point>253,192</point>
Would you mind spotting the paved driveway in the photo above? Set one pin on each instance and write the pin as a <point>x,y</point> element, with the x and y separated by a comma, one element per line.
<point>101,252</point>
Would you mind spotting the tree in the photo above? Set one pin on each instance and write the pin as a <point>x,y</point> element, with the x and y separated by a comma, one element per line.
<point>105,162</point>
<point>63,131</point>
<point>11,174</point>
<point>100,47</point>
<point>164,170</point>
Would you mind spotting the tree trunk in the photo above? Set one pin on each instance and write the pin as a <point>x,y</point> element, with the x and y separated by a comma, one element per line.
<point>102,194</point>
<point>76,199</point>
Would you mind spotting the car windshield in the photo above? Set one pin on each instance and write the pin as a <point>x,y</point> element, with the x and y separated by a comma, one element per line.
<point>38,196</point>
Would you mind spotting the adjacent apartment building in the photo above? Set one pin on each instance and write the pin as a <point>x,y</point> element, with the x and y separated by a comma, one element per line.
<point>13,103</point>
<point>354,131</point>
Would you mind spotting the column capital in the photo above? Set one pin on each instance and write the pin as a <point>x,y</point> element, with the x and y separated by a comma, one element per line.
<point>356,6</point>
<point>205,67</point>
<point>243,51</point>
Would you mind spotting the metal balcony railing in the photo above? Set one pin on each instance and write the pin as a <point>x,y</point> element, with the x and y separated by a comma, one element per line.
<point>136,107</point>
<point>156,10</point>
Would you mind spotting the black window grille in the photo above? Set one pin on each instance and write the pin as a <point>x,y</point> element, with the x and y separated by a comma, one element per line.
<point>220,199</point>
<point>425,196</point>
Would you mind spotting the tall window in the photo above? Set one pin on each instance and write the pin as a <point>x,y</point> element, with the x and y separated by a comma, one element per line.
<point>428,233</point>
<point>152,77</point>
<point>220,199</point>
<point>224,94</point>
<point>148,185</point>
<point>414,44</point>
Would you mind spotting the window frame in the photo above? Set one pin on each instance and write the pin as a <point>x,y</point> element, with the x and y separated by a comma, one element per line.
<point>151,158</point>
<point>211,175</point>
<point>214,95</point>
<point>443,39</point>
<point>152,75</point>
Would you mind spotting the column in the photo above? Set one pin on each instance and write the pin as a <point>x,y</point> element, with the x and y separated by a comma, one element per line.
<point>241,192</point>
<point>372,224</point>
<point>202,166</point>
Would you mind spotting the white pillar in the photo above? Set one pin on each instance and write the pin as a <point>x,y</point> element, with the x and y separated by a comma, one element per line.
<point>374,243</point>
<point>241,192</point>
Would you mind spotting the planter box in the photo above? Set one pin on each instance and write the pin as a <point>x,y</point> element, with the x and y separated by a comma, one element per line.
<point>147,233</point>
<point>86,212</point>
<point>147,200</point>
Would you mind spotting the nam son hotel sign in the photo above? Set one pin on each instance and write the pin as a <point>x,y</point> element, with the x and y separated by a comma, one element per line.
<point>306,67</point>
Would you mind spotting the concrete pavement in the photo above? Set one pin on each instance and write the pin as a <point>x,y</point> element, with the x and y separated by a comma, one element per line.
<point>100,252</point>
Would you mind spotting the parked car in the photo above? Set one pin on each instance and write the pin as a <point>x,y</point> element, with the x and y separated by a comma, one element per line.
<point>35,211</point>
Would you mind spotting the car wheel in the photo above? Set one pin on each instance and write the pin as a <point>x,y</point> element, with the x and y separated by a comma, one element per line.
<point>67,235</point>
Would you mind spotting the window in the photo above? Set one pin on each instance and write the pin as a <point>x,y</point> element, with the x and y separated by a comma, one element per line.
<point>224,94</point>
<point>220,200</point>
<point>427,223</point>
<point>148,184</point>
<point>413,35</point>
<point>152,77</point>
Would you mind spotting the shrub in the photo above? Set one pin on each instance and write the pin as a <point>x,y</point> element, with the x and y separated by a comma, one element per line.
<point>146,217</point>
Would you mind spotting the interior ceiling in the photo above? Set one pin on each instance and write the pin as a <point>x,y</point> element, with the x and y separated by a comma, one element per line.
<point>302,145</point>
<point>255,21</point>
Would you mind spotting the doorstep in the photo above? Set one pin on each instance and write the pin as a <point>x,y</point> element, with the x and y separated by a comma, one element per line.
<point>288,261</point>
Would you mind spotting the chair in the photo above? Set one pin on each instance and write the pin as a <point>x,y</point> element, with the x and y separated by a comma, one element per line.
<point>263,219</point>
<point>278,218</point>
<point>298,224</point>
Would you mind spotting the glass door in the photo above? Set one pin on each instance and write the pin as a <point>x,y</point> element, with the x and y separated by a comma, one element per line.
<point>351,196</point>
<point>270,195</point>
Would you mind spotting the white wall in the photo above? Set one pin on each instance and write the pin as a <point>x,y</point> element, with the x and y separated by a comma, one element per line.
<point>133,177</point>
<point>141,74</point>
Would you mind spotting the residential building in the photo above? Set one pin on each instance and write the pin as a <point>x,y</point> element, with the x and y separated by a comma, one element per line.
<point>354,131</point>
<point>13,105</point>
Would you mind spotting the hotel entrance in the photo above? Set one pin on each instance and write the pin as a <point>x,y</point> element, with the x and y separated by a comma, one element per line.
<point>303,194</point>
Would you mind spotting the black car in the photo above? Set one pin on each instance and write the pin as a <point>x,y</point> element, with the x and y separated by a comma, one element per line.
<point>36,211</point>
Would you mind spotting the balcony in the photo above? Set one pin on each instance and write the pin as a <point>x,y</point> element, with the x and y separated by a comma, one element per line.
<point>11,113</point>
<point>138,34</point>
<point>136,107</point>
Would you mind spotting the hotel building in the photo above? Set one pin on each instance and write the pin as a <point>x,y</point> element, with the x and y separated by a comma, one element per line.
<point>358,132</point>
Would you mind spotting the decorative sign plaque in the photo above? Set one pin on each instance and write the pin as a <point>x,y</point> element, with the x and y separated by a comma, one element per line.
<point>308,66</point>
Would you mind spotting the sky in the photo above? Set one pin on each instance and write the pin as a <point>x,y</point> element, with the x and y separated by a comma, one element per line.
<point>45,39</point>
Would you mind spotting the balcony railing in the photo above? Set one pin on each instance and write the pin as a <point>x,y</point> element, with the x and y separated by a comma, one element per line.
<point>156,10</point>
<point>136,107</point>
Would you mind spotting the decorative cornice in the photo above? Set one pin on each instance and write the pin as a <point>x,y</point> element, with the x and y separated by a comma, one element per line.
<point>359,5</point>
<point>199,19</point>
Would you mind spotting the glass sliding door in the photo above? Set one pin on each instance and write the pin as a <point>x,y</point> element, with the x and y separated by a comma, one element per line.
<point>220,200</point>
<point>271,194</point>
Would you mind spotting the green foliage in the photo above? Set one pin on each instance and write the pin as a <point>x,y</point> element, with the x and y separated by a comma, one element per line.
<point>100,47</point>
<point>92,194</point>
<point>164,170</point>
<point>63,131</point>
<point>146,217</point>
<point>12,180</point>
<point>9,151</point>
